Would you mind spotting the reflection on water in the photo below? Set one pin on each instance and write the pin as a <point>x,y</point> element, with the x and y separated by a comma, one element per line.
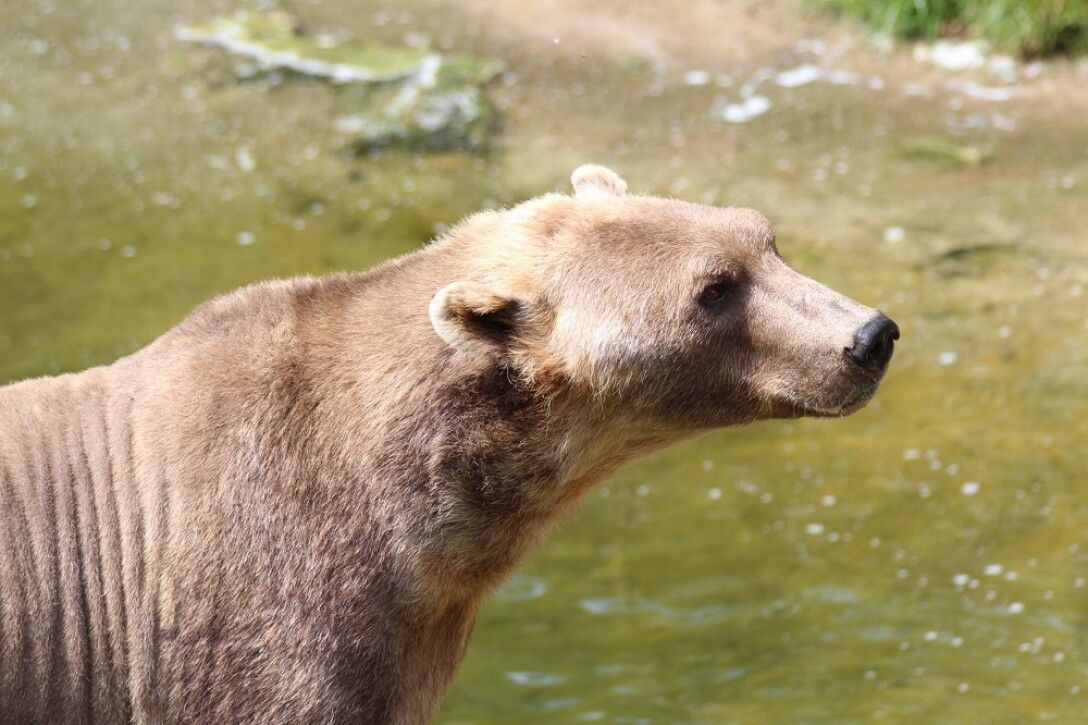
<point>926,558</point>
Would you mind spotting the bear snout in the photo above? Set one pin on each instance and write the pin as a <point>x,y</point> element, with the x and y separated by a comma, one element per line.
<point>874,343</point>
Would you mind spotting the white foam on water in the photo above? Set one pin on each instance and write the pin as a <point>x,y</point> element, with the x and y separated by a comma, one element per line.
<point>800,76</point>
<point>696,78</point>
<point>894,235</point>
<point>983,93</point>
<point>746,110</point>
<point>952,54</point>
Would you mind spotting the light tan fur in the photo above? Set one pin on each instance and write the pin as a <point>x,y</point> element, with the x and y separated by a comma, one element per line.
<point>288,508</point>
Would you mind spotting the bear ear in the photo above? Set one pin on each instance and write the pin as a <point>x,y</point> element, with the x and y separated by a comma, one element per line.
<point>590,179</point>
<point>473,318</point>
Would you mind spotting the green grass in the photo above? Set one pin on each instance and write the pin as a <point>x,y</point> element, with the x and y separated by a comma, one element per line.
<point>1032,28</point>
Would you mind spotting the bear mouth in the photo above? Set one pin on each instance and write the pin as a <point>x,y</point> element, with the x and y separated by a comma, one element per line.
<point>850,405</point>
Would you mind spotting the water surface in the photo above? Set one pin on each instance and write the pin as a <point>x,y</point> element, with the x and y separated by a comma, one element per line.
<point>924,559</point>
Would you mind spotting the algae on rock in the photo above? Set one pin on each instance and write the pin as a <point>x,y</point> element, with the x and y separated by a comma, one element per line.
<point>390,96</point>
<point>417,118</point>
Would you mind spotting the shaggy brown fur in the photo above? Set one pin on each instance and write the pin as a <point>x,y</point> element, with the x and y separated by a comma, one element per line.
<point>288,508</point>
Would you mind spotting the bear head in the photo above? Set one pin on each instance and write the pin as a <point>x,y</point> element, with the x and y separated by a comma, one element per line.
<point>672,315</point>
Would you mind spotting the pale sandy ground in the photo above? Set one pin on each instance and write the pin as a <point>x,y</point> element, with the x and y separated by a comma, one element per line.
<point>715,34</point>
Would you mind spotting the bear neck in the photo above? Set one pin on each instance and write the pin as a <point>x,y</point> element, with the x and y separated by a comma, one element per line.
<point>462,463</point>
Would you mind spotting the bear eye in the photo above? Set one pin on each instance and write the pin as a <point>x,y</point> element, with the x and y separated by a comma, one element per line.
<point>714,293</point>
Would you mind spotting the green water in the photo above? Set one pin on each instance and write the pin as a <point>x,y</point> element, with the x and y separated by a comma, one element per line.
<point>925,559</point>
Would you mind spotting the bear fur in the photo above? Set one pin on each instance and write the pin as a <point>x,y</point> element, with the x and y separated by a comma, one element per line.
<point>288,508</point>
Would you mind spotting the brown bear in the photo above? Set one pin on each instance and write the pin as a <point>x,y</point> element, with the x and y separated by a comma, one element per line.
<point>288,508</point>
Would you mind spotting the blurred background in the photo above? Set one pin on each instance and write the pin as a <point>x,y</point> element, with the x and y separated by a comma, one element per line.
<point>924,559</point>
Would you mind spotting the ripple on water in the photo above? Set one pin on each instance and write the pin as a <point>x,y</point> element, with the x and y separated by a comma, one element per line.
<point>521,588</point>
<point>535,679</point>
<point>697,616</point>
<point>733,673</point>
<point>829,594</point>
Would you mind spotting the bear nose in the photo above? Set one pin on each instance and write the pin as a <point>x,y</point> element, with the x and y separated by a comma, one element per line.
<point>873,343</point>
